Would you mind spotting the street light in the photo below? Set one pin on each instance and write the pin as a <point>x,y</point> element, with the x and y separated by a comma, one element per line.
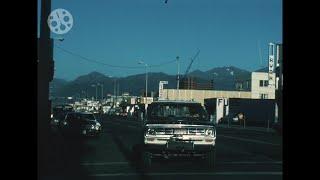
<point>178,78</point>
<point>101,91</point>
<point>84,93</point>
<point>146,65</point>
<point>101,85</point>
<point>95,85</point>
<point>114,89</point>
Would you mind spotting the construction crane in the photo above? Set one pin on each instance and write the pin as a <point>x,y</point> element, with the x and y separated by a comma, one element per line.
<point>185,82</point>
<point>192,59</point>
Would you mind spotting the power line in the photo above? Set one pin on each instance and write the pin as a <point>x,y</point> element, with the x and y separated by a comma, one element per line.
<point>164,63</point>
<point>95,61</point>
<point>110,65</point>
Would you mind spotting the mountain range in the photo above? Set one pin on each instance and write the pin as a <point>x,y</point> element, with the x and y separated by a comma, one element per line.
<point>223,77</point>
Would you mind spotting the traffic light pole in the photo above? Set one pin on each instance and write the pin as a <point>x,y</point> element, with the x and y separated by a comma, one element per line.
<point>45,68</point>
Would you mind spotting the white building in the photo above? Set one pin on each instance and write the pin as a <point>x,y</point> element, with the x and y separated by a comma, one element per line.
<point>260,87</point>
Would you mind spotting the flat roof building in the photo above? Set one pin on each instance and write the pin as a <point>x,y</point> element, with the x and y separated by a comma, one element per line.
<point>259,89</point>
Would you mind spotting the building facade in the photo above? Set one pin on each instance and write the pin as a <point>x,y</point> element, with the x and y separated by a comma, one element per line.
<point>260,87</point>
<point>192,83</point>
<point>200,95</point>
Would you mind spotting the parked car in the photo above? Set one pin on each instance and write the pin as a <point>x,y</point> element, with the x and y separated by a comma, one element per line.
<point>81,123</point>
<point>177,128</point>
<point>58,114</point>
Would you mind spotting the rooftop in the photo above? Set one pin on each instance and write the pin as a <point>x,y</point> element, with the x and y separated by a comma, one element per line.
<point>175,101</point>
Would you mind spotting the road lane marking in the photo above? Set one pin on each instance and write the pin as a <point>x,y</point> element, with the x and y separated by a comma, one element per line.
<point>126,163</point>
<point>248,140</point>
<point>103,163</point>
<point>248,162</point>
<point>188,174</point>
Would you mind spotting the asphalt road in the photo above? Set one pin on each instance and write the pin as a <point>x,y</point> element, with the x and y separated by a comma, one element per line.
<point>241,154</point>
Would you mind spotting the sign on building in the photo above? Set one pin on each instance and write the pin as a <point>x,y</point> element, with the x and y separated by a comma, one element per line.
<point>271,64</point>
<point>161,83</point>
<point>222,108</point>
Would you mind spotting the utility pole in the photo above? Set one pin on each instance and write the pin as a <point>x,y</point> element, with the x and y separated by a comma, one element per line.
<point>45,64</point>
<point>114,91</point>
<point>101,92</point>
<point>146,86</point>
<point>45,70</point>
<point>96,92</point>
<point>96,86</point>
<point>178,78</point>
<point>117,93</point>
<point>146,95</point>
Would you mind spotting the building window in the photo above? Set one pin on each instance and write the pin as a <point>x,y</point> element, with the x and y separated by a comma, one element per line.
<point>263,96</point>
<point>264,83</point>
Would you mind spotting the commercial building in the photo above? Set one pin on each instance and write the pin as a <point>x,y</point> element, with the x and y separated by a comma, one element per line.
<point>279,82</point>
<point>200,95</point>
<point>259,89</point>
<point>191,82</point>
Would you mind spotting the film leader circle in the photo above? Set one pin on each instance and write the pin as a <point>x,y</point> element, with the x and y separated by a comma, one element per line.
<point>60,21</point>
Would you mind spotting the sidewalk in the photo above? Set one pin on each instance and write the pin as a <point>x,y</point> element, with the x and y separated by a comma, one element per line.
<point>251,128</point>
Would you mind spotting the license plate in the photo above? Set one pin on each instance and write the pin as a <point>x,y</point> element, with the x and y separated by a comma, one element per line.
<point>176,145</point>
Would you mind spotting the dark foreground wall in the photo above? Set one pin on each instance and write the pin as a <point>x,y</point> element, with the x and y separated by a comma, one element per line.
<point>257,111</point>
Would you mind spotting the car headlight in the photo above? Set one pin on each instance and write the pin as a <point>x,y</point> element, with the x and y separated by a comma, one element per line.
<point>65,123</point>
<point>92,126</point>
<point>56,120</point>
<point>210,132</point>
<point>150,131</point>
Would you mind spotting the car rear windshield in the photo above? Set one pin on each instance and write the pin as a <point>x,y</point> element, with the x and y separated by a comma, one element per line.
<point>177,111</point>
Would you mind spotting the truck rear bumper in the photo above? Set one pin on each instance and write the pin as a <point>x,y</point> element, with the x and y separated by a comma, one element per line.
<point>165,150</point>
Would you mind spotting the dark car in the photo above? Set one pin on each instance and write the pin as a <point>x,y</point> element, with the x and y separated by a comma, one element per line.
<point>178,128</point>
<point>59,112</point>
<point>81,123</point>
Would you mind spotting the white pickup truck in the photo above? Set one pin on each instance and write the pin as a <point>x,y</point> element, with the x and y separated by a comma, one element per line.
<point>178,128</point>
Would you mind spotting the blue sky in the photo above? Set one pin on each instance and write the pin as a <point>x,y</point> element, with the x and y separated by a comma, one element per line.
<point>122,32</point>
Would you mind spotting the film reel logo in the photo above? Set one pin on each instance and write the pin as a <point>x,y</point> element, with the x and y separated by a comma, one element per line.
<point>60,21</point>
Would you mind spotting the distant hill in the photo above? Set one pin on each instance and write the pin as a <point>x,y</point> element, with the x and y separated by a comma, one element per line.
<point>265,69</point>
<point>224,78</point>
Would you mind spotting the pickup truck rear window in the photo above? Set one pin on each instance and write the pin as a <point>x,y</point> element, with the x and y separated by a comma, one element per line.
<point>177,111</point>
